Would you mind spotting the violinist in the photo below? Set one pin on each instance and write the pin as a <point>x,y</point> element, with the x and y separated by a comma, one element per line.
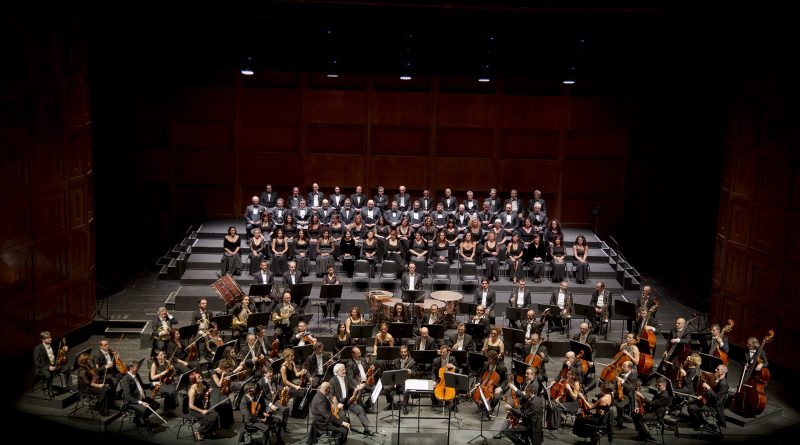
<point>251,352</point>
<point>162,328</point>
<point>323,418</point>
<point>403,362</point>
<point>257,411</point>
<point>714,391</point>
<point>302,337</point>
<point>481,319</point>
<point>225,381</point>
<point>626,381</point>
<point>270,387</point>
<point>344,388</point>
<point>655,409</point>
<point>531,382</point>
<point>199,399</point>
<point>534,346</point>
<point>382,338</point>
<point>720,339</point>
<point>568,398</point>
<point>688,374</point>
<point>164,375</point>
<point>89,382</point>
<point>495,388</point>
<point>342,338</point>
<point>531,417</point>
<point>597,412</point>
<point>315,364</point>
<point>443,360</point>
<point>44,359</point>
<point>213,341</point>
<point>359,369</point>
<point>103,358</point>
<point>135,398</point>
<point>175,349</point>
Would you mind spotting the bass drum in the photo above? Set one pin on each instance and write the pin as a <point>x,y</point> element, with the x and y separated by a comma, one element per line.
<point>229,290</point>
<point>375,299</point>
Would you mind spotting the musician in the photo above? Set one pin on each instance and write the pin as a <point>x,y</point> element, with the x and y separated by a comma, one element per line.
<point>161,329</point>
<point>199,396</point>
<point>212,342</point>
<point>750,356</point>
<point>289,373</point>
<point>403,362</point>
<point>399,314</point>
<point>626,379</point>
<point>240,312</point>
<point>251,352</point>
<point>330,279</point>
<point>317,364</point>
<point>271,388</point>
<point>568,398</point>
<point>231,261</point>
<point>370,214</point>
<point>264,276</point>
<point>382,338</point>
<point>530,325</point>
<point>411,280</point>
<point>656,410</point>
<point>713,399</point>
<point>461,341</point>
<point>347,213</point>
<point>629,347</point>
<point>639,326</point>
<point>302,337</point>
<point>355,317</point>
<point>425,342</point>
<point>573,365</point>
<point>537,199</point>
<point>285,309</point>
<point>531,417</point>
<point>720,340</point>
<point>563,299</point>
<point>534,345</point>
<point>337,198</point>
<point>443,360</point>
<point>135,398</point>
<point>90,382</point>
<point>201,316</point>
<point>291,277</point>
<point>164,375</point>
<point>521,298</point>
<point>342,339</point>
<point>359,369</point>
<point>176,349</point>
<point>645,301</point>
<point>585,337</point>
<point>680,336</point>
<point>344,387</point>
<point>493,364</point>
<point>481,319</point>
<point>381,199</point>
<point>494,343</point>
<point>324,420</point>
<point>258,411</point>
<point>103,358</point>
<point>598,411</point>
<point>486,297</point>
<point>601,300</point>
<point>688,374</point>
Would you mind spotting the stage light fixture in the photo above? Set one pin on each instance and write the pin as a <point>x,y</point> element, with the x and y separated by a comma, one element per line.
<point>406,72</point>
<point>569,78</point>
<point>331,71</point>
<point>247,67</point>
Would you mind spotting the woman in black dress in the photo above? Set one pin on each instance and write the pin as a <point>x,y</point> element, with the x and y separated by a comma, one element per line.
<point>342,338</point>
<point>394,250</point>
<point>325,247</point>
<point>199,402</point>
<point>231,261</point>
<point>467,249</point>
<point>280,253</point>
<point>369,251</point>
<point>538,252</point>
<point>580,259</point>
<point>347,252</point>
<point>258,245</point>
<point>289,227</point>
<point>301,248</point>
<point>491,250</point>
<point>418,253</point>
<point>451,235</point>
<point>516,264</point>
<point>558,259</point>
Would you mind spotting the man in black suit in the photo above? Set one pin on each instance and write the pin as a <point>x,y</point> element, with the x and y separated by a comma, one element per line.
<point>381,200</point>
<point>337,198</point>
<point>530,325</point>
<point>679,339</point>
<point>315,197</point>
<point>292,276</point>
<point>461,341</point>
<point>444,360</point>
<point>294,199</point>
<point>135,398</point>
<point>269,413</point>
<point>491,365</point>
<point>324,420</point>
<point>535,346</point>
<point>509,219</point>
<point>486,297</point>
<point>426,202</point>
<point>403,362</point>
<point>656,409</point>
<point>370,214</point>
<point>358,199</point>
<point>517,205</point>
<point>712,399</point>
<point>239,323</point>
<point>358,368</point>
<point>162,327</point>
<point>563,299</point>
<point>44,359</point>
<point>282,330</point>
<point>268,197</point>
<point>471,204</point>
<point>601,300</point>
<point>265,276</point>
<point>521,298</point>
<point>411,280</point>
<point>201,316</point>
<point>279,213</point>
<point>403,199</point>
<point>103,358</point>
<point>325,212</point>
<point>252,214</point>
<point>530,414</point>
<point>481,319</point>
<point>449,202</point>
<point>585,337</point>
<point>627,378</point>
<point>316,364</point>
<point>425,342</point>
<point>537,198</point>
<point>270,384</point>
<point>750,356</point>
<point>493,201</point>
<point>343,387</point>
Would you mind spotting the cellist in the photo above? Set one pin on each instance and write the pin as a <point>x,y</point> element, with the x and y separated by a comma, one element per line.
<point>492,385</point>
<point>443,360</point>
<point>530,384</point>
<point>629,347</point>
<point>531,414</point>
<point>656,409</point>
<point>534,346</point>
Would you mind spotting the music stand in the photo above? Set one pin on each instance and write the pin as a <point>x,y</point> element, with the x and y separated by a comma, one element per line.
<point>577,347</point>
<point>466,308</point>
<point>294,320</point>
<point>299,291</point>
<point>424,357</point>
<point>182,379</point>
<point>519,368</point>
<point>401,330</point>
<point>388,352</point>
<point>515,314</point>
<point>626,310</point>
<point>276,365</point>
<point>555,311</point>
<point>412,296</point>
<point>436,331</point>
<point>188,331</point>
<point>710,362</point>
<point>329,292</point>
<point>390,380</point>
<point>476,330</point>
<point>301,352</point>
<point>362,331</point>
<point>584,310</point>
<point>513,336</point>
<point>259,319</point>
<point>262,291</point>
<point>346,353</point>
<point>461,384</point>
<point>222,321</point>
<point>220,351</point>
<point>476,360</point>
<point>461,357</point>
<point>699,339</point>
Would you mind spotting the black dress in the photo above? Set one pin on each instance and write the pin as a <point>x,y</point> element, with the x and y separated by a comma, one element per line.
<point>581,269</point>
<point>347,252</point>
<point>231,264</point>
<point>559,268</point>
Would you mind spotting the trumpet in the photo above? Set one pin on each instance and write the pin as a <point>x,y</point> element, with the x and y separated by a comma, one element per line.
<point>283,315</point>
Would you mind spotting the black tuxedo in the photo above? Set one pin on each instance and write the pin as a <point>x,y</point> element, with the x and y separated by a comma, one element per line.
<point>429,344</point>
<point>591,340</point>
<point>358,200</point>
<point>310,200</point>
<point>324,420</point>
<point>381,202</point>
<point>131,396</point>
<point>469,343</point>
<point>404,282</point>
<point>259,279</point>
<point>337,201</point>
<point>490,299</point>
<point>287,278</point>
<point>325,214</point>
<point>268,199</point>
<point>403,201</point>
<point>526,297</point>
<point>451,206</point>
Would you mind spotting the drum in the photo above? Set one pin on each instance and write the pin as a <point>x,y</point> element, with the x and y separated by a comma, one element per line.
<point>450,300</point>
<point>375,299</point>
<point>228,290</point>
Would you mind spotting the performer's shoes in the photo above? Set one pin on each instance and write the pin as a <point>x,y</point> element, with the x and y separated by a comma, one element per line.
<point>498,436</point>
<point>387,408</point>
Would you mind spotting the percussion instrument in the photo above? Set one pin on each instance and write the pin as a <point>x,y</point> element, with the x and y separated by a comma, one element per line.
<point>450,300</point>
<point>375,299</point>
<point>229,290</point>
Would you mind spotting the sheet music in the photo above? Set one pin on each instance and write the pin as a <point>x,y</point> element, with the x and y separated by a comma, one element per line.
<point>419,385</point>
<point>483,398</point>
<point>376,391</point>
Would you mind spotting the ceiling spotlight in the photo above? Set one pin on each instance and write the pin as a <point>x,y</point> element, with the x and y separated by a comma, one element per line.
<point>405,72</point>
<point>247,67</point>
<point>485,74</point>
<point>331,72</point>
<point>569,78</point>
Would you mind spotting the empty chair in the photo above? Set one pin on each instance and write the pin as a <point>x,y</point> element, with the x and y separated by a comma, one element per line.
<point>441,275</point>
<point>469,277</point>
<point>361,273</point>
<point>388,275</point>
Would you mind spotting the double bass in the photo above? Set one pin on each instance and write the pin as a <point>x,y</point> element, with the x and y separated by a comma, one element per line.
<point>715,350</point>
<point>646,334</point>
<point>750,399</point>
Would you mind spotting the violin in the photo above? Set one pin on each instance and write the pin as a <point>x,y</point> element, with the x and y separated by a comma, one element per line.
<point>284,400</point>
<point>120,364</point>
<point>255,407</point>
<point>371,376</point>
<point>700,391</point>
<point>274,348</point>
<point>639,406</point>
<point>192,353</point>
<point>308,339</point>
<point>512,419</point>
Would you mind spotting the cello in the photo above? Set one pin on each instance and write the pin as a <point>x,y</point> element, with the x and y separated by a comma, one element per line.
<point>750,399</point>
<point>715,350</point>
<point>532,360</point>
<point>489,381</point>
<point>680,352</point>
<point>440,391</point>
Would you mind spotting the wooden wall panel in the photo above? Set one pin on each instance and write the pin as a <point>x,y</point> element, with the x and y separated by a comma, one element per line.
<point>768,233</point>
<point>49,213</point>
<point>271,137</point>
<point>76,203</point>
<point>279,169</point>
<point>530,144</point>
<point>466,110</point>
<point>14,166</point>
<point>47,113</point>
<point>739,223</point>
<point>597,113</point>
<point>52,311</point>
<point>76,102</point>
<point>773,178</point>
<point>16,271</point>
<point>78,251</point>
<point>335,107</point>
<point>743,173</point>
<point>778,132</point>
<point>16,222</point>
<point>527,175</point>
<point>333,139</point>
<point>794,202</point>
<point>719,260</point>
<point>153,166</point>
<point>406,109</point>
<point>205,167</point>
<point>274,105</point>
<point>533,112</point>
<point>392,171</point>
<point>590,144</point>
<point>735,270</point>
<point>51,267</point>
<point>763,280</point>
<point>462,174</point>
<point>47,164</point>
<point>207,135</point>
<point>332,169</point>
<point>792,241</point>
<point>400,140</point>
<point>201,199</point>
<point>579,179</point>
<point>465,142</point>
<point>77,151</point>
<point>204,103</point>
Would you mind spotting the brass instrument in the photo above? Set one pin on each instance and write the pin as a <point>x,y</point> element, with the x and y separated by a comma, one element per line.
<point>240,320</point>
<point>567,311</point>
<point>163,332</point>
<point>282,315</point>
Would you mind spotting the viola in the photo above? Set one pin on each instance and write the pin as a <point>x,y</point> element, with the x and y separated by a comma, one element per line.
<point>700,391</point>
<point>274,348</point>
<point>284,396</point>
<point>255,408</point>
<point>639,406</point>
<point>334,406</point>
<point>750,399</point>
<point>371,376</point>
<point>440,391</point>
